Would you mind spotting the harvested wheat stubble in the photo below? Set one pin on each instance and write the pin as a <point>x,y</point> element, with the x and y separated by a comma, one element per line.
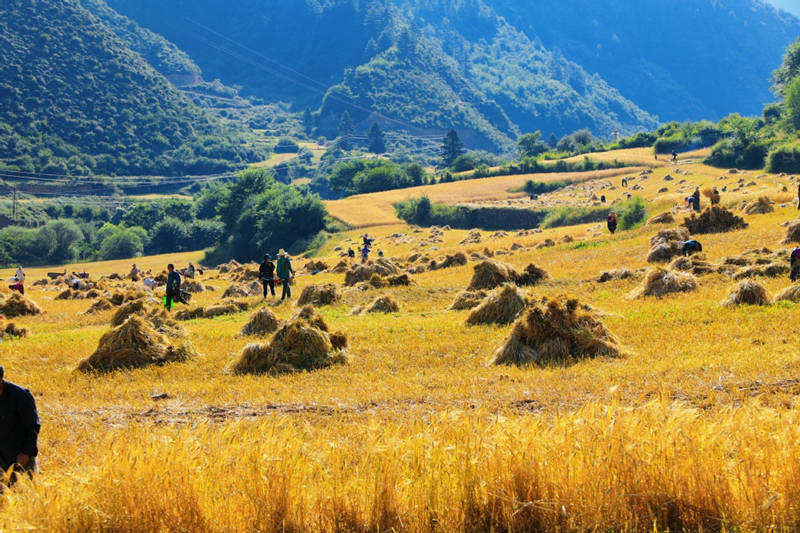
<point>99,306</point>
<point>502,306</point>
<point>748,293</point>
<point>558,331</point>
<point>663,218</point>
<point>715,219</point>
<point>790,294</point>
<point>658,282</point>
<point>263,322</point>
<point>760,206</point>
<point>19,305</point>
<point>135,344</point>
<point>296,346</point>
<point>319,295</point>
<point>792,233</point>
<point>666,244</point>
<point>618,274</point>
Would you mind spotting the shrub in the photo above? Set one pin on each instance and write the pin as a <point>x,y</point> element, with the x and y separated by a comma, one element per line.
<point>784,158</point>
<point>632,214</point>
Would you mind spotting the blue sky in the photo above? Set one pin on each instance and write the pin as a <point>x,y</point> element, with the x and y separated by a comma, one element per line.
<point>792,6</point>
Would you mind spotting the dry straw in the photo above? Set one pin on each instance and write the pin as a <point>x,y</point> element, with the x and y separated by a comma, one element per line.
<point>558,331</point>
<point>659,282</point>
<point>263,322</point>
<point>502,306</point>
<point>467,300</point>
<point>319,295</point>
<point>748,293</point>
<point>715,219</point>
<point>19,305</point>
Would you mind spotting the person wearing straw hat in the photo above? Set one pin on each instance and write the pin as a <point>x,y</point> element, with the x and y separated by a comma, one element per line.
<point>19,431</point>
<point>285,273</point>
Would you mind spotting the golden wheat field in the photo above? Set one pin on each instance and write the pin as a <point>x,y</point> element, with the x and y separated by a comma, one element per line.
<point>695,427</point>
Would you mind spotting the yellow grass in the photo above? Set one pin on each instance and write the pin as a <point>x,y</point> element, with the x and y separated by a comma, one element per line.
<point>375,209</point>
<point>697,429</point>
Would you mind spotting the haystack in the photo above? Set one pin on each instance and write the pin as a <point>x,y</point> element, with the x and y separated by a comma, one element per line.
<point>663,218</point>
<point>501,307</point>
<point>69,294</point>
<point>748,293</point>
<point>236,291</point>
<point>134,344</point>
<point>666,244</point>
<point>376,281</point>
<point>467,300</point>
<point>715,219</point>
<point>19,305</point>
<point>357,274</point>
<point>447,261</point>
<point>618,274</point>
<point>315,266</point>
<point>190,313</point>
<point>338,340</point>
<point>491,274</point>
<point>791,294</point>
<point>557,332</point>
<point>119,298</point>
<point>230,266</point>
<point>400,280</point>
<point>547,243</point>
<point>382,304</point>
<point>760,206</point>
<point>792,233</point>
<point>11,330</point>
<point>194,286</point>
<point>694,264</point>
<point>221,309</point>
<point>473,237</point>
<point>136,307</point>
<point>99,306</point>
<point>532,275</point>
<point>312,317</point>
<point>263,322</point>
<point>659,282</point>
<point>319,295</point>
<point>296,346</point>
<point>340,267</point>
<point>770,270</point>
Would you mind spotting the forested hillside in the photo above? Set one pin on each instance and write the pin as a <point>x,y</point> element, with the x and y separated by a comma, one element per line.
<point>76,99</point>
<point>682,60</point>
<point>408,66</point>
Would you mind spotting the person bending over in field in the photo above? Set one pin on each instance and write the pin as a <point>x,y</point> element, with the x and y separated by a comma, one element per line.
<point>692,247</point>
<point>189,271</point>
<point>266,271</point>
<point>611,222</point>
<point>173,287</point>
<point>794,265</point>
<point>19,432</point>
<point>285,274</point>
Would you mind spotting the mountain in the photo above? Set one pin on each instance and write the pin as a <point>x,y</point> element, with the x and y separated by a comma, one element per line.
<point>77,99</point>
<point>424,67</point>
<point>681,60</point>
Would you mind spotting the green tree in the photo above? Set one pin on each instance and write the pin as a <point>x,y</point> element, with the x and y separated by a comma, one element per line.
<point>375,140</point>
<point>452,147</point>
<point>792,104</point>
<point>308,121</point>
<point>346,131</point>
<point>788,71</point>
<point>121,244</point>
<point>530,145</point>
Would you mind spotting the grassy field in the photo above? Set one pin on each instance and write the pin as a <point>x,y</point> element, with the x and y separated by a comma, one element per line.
<point>696,428</point>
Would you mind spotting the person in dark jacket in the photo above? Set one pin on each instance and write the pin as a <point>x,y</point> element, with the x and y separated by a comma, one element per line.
<point>692,246</point>
<point>267,274</point>
<point>798,196</point>
<point>19,430</point>
<point>794,265</point>
<point>611,222</point>
<point>173,286</point>
<point>696,199</point>
<point>285,274</point>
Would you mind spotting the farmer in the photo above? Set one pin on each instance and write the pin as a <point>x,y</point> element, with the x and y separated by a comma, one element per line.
<point>696,199</point>
<point>134,274</point>
<point>285,273</point>
<point>351,253</point>
<point>189,272</point>
<point>19,431</point>
<point>364,254</point>
<point>794,265</point>
<point>674,155</point>
<point>173,287</point>
<point>267,274</point>
<point>366,240</point>
<point>691,246</point>
<point>611,222</point>
<point>625,183</point>
<point>715,196</point>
